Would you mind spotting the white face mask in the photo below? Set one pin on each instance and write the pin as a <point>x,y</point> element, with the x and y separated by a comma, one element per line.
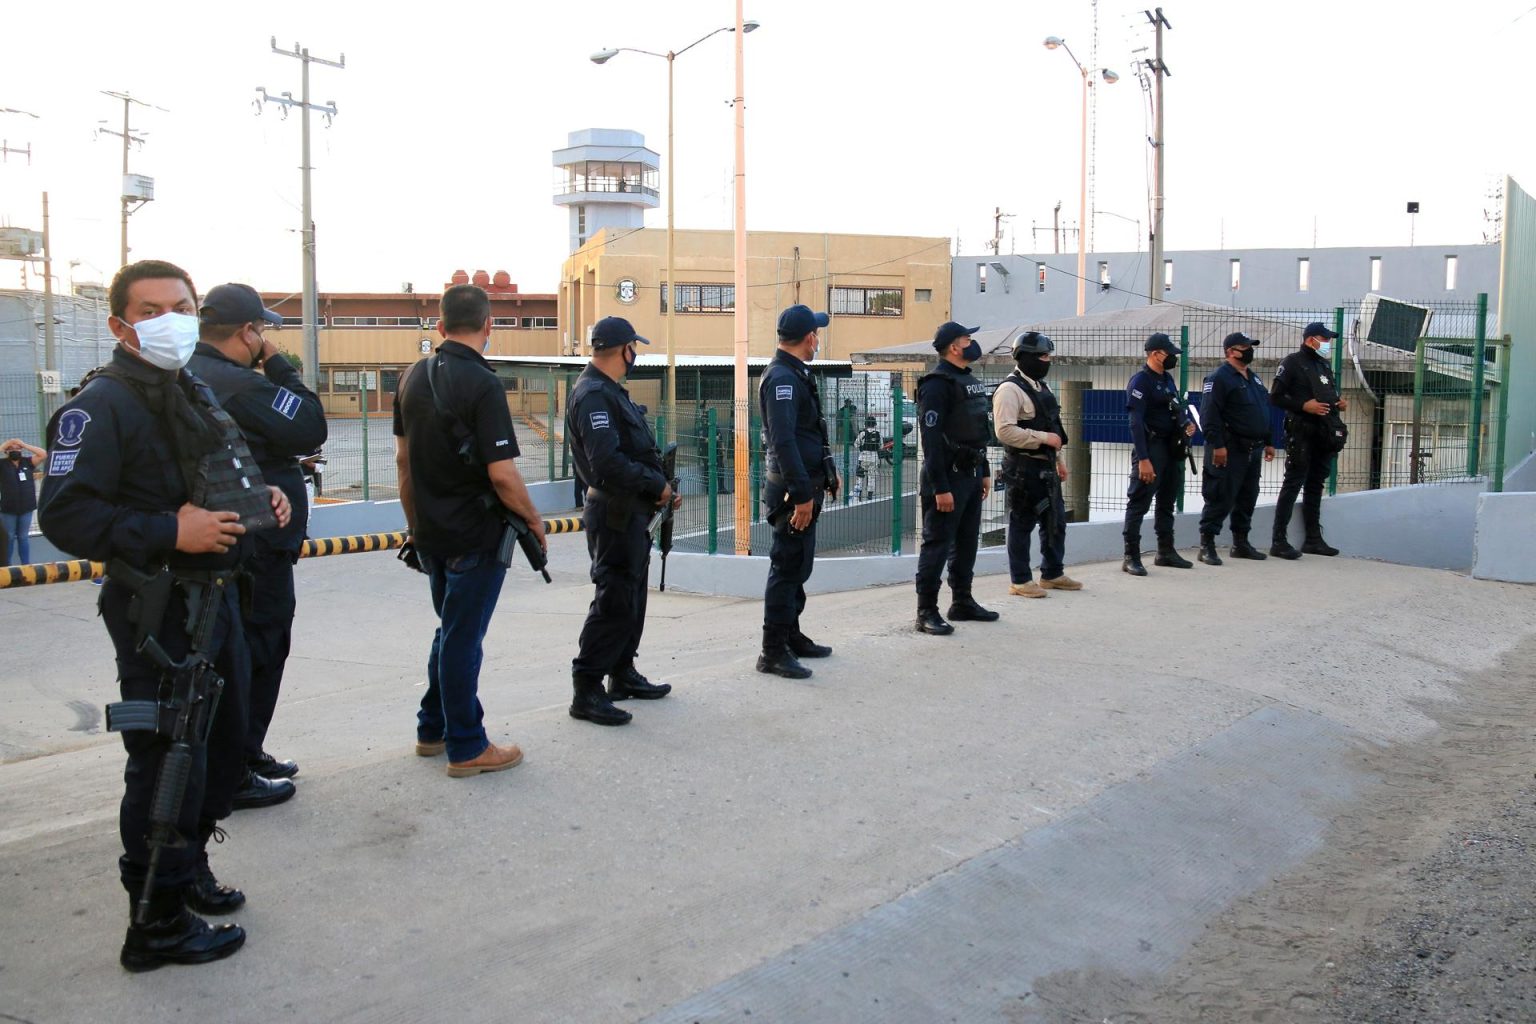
<point>167,340</point>
<point>1325,348</point>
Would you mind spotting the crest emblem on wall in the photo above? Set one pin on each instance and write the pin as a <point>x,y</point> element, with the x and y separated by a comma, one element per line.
<point>627,291</point>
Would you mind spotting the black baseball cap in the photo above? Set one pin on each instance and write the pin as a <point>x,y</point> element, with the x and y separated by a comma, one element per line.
<point>949,332</point>
<point>1236,339</point>
<point>613,331</point>
<point>798,321</point>
<point>235,304</point>
<point>1160,342</point>
<point>1315,329</point>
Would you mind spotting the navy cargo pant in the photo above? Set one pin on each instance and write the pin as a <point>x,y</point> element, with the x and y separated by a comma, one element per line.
<point>791,557</point>
<point>621,558</point>
<point>1035,499</point>
<point>269,635</point>
<point>949,538</point>
<point>217,769</point>
<point>1233,488</point>
<point>1166,487</point>
<point>1307,468</point>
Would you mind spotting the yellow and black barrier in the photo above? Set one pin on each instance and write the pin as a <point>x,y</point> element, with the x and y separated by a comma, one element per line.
<point>81,569</point>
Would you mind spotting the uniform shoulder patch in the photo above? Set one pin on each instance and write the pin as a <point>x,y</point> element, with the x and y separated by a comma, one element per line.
<point>599,420</point>
<point>286,403</point>
<point>1322,378</point>
<point>1136,393</point>
<point>1209,384</point>
<point>931,418</point>
<point>784,392</point>
<point>1279,370</point>
<point>72,424</point>
<point>61,462</point>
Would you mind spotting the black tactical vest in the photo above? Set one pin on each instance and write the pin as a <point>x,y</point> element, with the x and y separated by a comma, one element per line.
<point>968,424</point>
<point>1047,412</point>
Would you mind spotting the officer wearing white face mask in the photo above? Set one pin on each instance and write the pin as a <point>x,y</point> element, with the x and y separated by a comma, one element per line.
<point>1315,433</point>
<point>148,474</point>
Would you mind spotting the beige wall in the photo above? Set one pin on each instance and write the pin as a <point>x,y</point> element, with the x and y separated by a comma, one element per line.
<point>590,277</point>
<point>401,346</point>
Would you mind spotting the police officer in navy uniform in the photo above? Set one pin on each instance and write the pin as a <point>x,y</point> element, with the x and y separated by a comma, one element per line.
<point>798,472</point>
<point>1234,416</point>
<point>282,420</point>
<point>954,416</point>
<point>616,454</point>
<point>1305,388</point>
<point>126,455</point>
<point>868,442</point>
<point>1157,463</point>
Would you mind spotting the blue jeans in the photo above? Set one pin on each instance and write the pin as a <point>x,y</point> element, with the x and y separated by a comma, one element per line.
<point>17,524</point>
<point>464,593</point>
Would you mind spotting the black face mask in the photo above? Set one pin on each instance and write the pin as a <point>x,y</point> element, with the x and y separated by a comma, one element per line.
<point>1033,366</point>
<point>1245,356</point>
<point>1169,362</point>
<point>971,352</point>
<point>631,354</point>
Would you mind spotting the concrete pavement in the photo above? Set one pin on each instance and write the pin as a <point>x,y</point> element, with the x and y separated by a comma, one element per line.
<point>742,823</point>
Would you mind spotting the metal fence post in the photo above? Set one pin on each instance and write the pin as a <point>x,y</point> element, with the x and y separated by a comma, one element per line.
<point>1184,394</point>
<point>712,468</point>
<point>1505,349</point>
<point>898,455</point>
<point>549,408</point>
<point>362,405</point>
<point>1479,357</point>
<point>1415,437</point>
<point>755,464</point>
<point>1338,367</point>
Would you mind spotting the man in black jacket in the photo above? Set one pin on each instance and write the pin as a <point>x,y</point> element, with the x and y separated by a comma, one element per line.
<point>1235,416</point>
<point>281,420</point>
<point>1315,433</point>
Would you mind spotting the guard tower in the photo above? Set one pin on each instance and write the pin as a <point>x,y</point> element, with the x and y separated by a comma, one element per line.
<point>608,179</point>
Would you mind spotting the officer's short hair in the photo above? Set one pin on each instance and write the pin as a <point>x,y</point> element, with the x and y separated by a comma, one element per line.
<point>465,307</point>
<point>143,270</point>
<point>215,333</point>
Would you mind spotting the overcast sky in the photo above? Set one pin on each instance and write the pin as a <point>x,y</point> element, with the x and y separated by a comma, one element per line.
<point>862,116</point>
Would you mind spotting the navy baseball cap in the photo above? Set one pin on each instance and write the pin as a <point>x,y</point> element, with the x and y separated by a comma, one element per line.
<point>235,304</point>
<point>1161,342</point>
<point>1236,339</point>
<point>613,331</point>
<point>948,332</point>
<point>798,321</point>
<point>1315,329</point>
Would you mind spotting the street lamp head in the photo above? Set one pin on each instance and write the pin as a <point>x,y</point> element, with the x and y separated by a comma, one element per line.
<point>750,26</point>
<point>1109,76</point>
<point>604,56</point>
<point>1052,42</point>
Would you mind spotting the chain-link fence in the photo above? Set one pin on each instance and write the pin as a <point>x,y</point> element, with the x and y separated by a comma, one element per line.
<point>1422,381</point>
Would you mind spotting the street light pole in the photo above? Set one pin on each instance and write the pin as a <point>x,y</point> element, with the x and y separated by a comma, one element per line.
<point>603,57</point>
<point>1110,78</point>
<point>742,306</point>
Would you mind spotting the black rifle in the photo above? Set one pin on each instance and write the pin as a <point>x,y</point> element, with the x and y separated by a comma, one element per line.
<point>1181,444</point>
<point>186,713</point>
<point>664,519</point>
<point>517,533</point>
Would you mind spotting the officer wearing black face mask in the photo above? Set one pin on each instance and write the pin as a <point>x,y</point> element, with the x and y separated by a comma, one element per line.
<point>1157,469</point>
<point>953,415</point>
<point>1028,418</point>
<point>616,454</point>
<point>1235,417</point>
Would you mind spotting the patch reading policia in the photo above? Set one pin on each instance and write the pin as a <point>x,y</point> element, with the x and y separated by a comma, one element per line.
<point>599,420</point>
<point>784,392</point>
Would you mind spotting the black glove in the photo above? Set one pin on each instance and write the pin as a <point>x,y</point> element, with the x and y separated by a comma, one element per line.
<point>409,556</point>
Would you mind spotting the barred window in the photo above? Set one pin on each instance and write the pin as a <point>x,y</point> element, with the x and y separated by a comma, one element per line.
<point>503,321</point>
<point>866,301</point>
<point>702,298</point>
<point>539,323</point>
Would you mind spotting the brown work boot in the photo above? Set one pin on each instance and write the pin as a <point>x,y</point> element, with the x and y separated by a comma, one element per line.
<point>430,748</point>
<point>1061,583</point>
<point>491,759</point>
<point>1030,589</point>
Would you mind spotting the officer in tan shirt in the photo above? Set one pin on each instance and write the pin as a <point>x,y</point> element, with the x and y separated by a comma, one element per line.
<point>1028,419</point>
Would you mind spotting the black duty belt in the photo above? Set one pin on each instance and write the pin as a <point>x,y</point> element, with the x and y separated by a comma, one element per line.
<point>1247,444</point>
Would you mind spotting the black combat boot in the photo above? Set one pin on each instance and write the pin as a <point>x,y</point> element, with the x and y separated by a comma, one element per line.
<point>1315,545</point>
<point>1132,563</point>
<point>1281,548</point>
<point>592,704</point>
<point>1208,553</point>
<point>1168,555</point>
<point>626,682</point>
<point>172,934</point>
<point>204,894</point>
<point>802,646</point>
<point>777,659</point>
<point>1242,549</point>
<point>930,621</point>
<point>965,609</point>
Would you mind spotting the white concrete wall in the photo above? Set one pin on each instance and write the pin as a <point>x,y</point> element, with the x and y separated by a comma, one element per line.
<point>1505,544</point>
